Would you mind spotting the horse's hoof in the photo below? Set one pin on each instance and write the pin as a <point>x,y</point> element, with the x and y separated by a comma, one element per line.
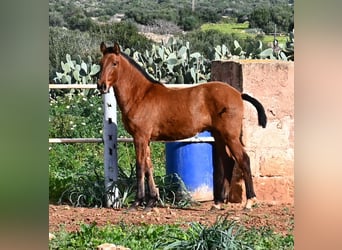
<point>134,206</point>
<point>250,203</point>
<point>247,210</point>
<point>151,204</point>
<point>148,209</point>
<point>216,207</point>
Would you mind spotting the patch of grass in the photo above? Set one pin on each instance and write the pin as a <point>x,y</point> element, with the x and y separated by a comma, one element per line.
<point>240,30</point>
<point>223,234</point>
<point>227,27</point>
<point>131,236</point>
<point>266,238</point>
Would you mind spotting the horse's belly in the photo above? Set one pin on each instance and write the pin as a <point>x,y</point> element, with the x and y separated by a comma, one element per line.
<point>171,137</point>
<point>175,132</point>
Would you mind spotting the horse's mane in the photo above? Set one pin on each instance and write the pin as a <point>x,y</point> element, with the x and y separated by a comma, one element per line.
<point>135,64</point>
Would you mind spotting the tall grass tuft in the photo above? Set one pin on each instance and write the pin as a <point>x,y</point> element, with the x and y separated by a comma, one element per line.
<point>223,234</point>
<point>88,190</point>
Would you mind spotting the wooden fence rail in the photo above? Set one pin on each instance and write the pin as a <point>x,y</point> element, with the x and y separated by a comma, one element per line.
<point>123,139</point>
<point>94,86</point>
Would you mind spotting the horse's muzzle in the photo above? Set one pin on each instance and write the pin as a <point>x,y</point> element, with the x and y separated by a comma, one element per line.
<point>102,87</point>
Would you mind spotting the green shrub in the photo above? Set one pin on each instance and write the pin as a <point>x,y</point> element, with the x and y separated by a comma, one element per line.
<point>266,18</point>
<point>85,45</point>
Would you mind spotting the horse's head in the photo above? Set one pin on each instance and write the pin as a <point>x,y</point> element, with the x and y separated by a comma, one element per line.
<point>109,67</point>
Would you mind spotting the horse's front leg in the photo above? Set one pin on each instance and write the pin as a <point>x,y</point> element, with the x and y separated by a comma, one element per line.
<point>153,190</point>
<point>140,152</point>
<point>144,168</point>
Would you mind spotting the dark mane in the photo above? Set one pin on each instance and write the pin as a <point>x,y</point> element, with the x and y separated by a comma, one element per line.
<point>134,63</point>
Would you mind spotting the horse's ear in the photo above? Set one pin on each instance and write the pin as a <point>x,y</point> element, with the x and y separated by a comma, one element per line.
<point>103,47</point>
<point>116,48</point>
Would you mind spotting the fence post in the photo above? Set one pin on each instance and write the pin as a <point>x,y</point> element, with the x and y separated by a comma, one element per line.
<point>110,149</point>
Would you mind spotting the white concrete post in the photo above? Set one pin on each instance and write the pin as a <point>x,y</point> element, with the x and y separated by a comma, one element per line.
<point>110,149</point>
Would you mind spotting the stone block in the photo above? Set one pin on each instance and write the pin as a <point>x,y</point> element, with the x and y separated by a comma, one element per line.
<point>274,190</point>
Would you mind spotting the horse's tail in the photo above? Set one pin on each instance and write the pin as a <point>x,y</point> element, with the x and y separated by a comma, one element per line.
<point>262,119</point>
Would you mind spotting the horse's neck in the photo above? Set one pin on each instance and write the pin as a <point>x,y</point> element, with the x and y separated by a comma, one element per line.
<point>131,88</point>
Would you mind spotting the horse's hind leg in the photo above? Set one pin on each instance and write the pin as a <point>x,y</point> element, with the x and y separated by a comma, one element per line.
<point>242,159</point>
<point>222,174</point>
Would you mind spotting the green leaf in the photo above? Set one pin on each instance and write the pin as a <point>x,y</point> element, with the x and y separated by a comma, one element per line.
<point>63,66</point>
<point>283,56</point>
<point>236,44</point>
<point>266,53</point>
<point>182,52</point>
<point>78,68</point>
<point>84,79</point>
<point>66,67</point>
<point>224,49</point>
<point>180,79</point>
<point>170,42</point>
<point>128,51</point>
<point>195,55</point>
<point>136,55</point>
<point>161,53</point>
<point>78,59</point>
<point>68,58</point>
<point>168,51</point>
<point>237,51</point>
<point>218,49</point>
<point>172,59</point>
<point>90,60</point>
<point>150,61</point>
<point>59,75</point>
<point>72,64</point>
<point>217,56</point>
<point>66,79</point>
<point>260,45</point>
<point>170,68</point>
<point>76,75</point>
<point>84,67</point>
<point>95,68</point>
<point>193,74</point>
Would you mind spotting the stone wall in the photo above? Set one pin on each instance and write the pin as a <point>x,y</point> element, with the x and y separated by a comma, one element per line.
<point>271,149</point>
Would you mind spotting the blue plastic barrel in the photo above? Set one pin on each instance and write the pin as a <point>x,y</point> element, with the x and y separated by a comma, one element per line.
<point>193,162</point>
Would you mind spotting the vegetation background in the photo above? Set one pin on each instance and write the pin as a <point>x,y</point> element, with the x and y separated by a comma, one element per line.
<point>78,27</point>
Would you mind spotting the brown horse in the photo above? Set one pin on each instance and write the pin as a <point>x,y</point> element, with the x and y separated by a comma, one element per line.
<point>151,111</point>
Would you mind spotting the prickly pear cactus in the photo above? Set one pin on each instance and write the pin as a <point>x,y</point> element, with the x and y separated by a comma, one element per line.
<point>174,63</point>
<point>77,71</point>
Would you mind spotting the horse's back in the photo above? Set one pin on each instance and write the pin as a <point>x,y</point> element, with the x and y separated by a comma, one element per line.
<point>203,96</point>
<point>220,93</point>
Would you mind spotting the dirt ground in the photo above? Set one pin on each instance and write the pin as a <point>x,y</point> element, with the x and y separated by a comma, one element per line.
<point>279,217</point>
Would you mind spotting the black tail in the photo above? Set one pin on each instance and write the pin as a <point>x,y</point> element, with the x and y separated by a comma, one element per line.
<point>262,119</point>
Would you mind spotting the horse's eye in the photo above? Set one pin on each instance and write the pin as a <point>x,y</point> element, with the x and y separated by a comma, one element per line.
<point>114,64</point>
